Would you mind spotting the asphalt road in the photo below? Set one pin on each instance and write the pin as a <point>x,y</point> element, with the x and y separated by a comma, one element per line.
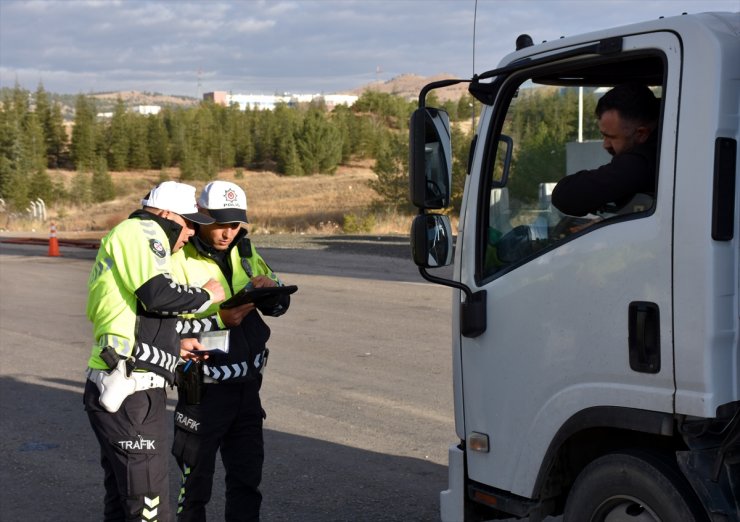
<point>357,390</point>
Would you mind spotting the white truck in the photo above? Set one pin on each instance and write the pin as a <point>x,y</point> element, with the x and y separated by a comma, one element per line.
<point>596,361</point>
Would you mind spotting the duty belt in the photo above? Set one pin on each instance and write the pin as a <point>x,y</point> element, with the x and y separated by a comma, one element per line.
<point>144,380</point>
<point>146,355</point>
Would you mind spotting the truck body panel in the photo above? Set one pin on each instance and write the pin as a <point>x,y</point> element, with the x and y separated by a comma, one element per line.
<point>706,271</point>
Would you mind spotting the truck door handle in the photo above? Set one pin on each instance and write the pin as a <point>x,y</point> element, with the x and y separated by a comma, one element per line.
<point>644,337</point>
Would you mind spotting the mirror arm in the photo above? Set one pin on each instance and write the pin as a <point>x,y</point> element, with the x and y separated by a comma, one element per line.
<point>435,85</point>
<point>446,282</point>
<point>472,311</point>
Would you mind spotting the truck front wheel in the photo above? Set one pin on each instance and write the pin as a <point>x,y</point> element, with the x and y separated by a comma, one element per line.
<point>632,486</point>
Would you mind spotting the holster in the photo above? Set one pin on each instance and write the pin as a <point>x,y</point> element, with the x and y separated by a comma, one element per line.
<point>190,382</point>
<point>114,386</point>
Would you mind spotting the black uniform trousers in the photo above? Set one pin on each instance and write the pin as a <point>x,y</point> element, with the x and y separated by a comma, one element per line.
<point>133,454</point>
<point>228,418</point>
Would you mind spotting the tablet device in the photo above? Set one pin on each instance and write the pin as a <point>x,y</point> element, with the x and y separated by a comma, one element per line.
<point>256,295</point>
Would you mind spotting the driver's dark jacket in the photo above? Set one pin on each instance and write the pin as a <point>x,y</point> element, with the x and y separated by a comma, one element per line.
<point>627,174</point>
<point>198,261</point>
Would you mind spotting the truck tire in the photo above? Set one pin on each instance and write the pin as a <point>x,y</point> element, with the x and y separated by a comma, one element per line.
<point>632,486</point>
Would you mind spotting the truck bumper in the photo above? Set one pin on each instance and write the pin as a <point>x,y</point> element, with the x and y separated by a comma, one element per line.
<point>452,500</point>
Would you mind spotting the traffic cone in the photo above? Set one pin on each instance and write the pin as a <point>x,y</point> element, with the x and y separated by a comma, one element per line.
<point>53,242</point>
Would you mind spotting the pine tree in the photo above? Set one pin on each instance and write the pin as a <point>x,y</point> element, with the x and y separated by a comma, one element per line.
<point>40,187</point>
<point>465,107</point>
<point>34,147</point>
<point>319,144</point>
<point>13,110</point>
<point>176,123</point>
<point>223,148</point>
<point>158,142</point>
<point>102,188</point>
<point>289,163</point>
<point>198,157</point>
<point>84,134</point>
<point>138,142</point>
<point>118,138</point>
<point>286,151</point>
<point>265,131</point>
<point>80,192</point>
<point>16,194</point>
<point>52,123</point>
<point>344,120</point>
<point>24,150</point>
<point>243,143</point>
<point>391,168</point>
<point>461,144</point>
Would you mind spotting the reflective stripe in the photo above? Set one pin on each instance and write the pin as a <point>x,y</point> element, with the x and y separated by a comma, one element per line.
<point>149,513</point>
<point>196,326</point>
<point>227,371</point>
<point>181,496</point>
<point>156,357</point>
<point>120,344</point>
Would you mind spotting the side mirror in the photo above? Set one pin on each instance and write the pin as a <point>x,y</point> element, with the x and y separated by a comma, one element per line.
<point>431,240</point>
<point>430,159</point>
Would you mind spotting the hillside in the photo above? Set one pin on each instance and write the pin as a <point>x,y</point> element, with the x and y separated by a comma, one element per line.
<point>144,98</point>
<point>409,85</point>
<point>404,85</point>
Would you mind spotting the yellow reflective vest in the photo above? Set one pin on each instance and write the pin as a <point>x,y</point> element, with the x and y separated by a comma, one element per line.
<point>198,262</point>
<point>133,301</point>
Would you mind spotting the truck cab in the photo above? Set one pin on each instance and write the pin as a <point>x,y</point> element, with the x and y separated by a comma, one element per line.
<point>595,358</point>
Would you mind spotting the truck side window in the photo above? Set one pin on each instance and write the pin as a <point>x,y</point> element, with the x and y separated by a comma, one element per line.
<point>544,124</point>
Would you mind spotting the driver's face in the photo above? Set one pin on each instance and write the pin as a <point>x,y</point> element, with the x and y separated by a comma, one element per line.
<point>619,134</point>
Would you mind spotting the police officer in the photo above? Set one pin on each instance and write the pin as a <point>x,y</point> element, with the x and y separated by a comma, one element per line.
<point>228,415</point>
<point>133,304</point>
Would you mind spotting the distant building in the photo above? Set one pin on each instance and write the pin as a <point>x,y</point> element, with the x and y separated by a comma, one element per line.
<point>138,109</point>
<point>270,101</point>
<point>146,109</point>
<point>332,100</point>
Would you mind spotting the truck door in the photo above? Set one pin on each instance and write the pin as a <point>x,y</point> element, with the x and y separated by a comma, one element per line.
<point>579,309</point>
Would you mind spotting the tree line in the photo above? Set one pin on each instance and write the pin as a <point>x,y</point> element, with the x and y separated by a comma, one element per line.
<point>208,138</point>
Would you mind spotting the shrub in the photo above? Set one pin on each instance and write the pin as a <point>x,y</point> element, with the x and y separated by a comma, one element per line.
<point>354,224</point>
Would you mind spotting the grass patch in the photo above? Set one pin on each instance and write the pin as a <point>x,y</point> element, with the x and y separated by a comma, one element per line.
<point>318,204</point>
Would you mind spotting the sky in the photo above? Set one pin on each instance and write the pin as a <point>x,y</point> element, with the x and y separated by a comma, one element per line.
<point>186,47</point>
